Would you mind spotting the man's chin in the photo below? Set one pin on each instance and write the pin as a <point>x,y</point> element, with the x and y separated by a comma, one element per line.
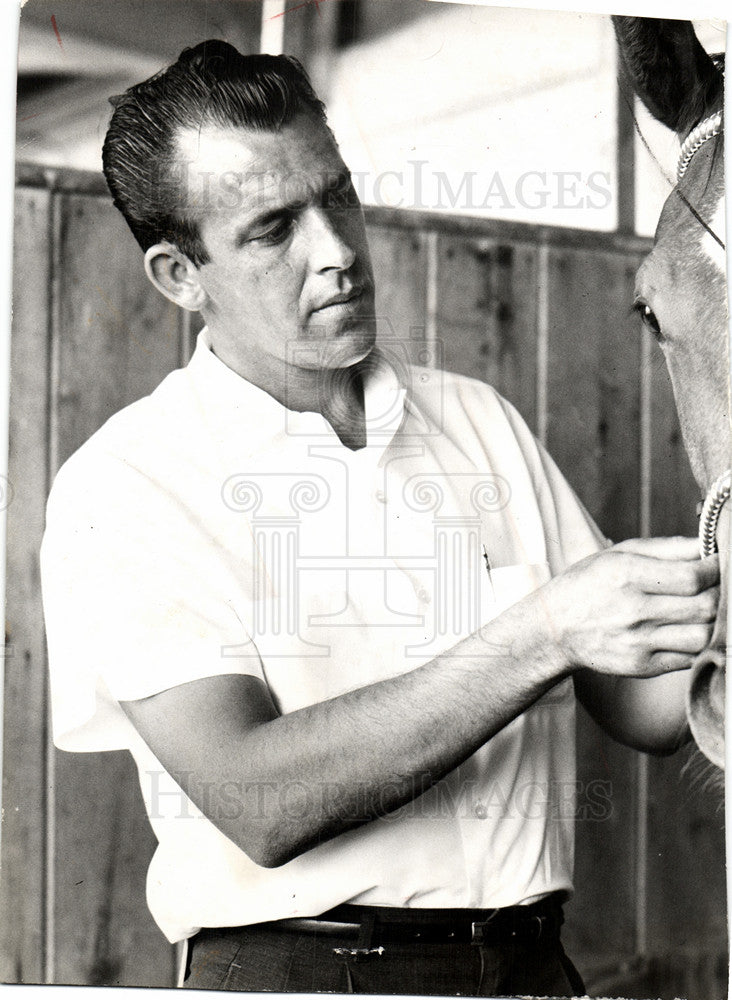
<point>340,350</point>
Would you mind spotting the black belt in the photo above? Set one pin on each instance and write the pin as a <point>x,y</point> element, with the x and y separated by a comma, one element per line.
<point>383,924</point>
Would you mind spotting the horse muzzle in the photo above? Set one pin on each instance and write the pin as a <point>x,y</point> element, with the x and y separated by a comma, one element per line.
<point>706,697</point>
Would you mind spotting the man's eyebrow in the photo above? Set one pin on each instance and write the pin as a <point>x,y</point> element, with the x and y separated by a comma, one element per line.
<point>342,176</point>
<point>331,181</point>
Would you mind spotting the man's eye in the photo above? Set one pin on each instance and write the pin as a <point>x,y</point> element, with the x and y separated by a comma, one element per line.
<point>277,232</point>
<point>649,318</point>
<point>342,196</point>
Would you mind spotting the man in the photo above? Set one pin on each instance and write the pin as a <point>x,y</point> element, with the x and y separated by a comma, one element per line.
<point>336,607</point>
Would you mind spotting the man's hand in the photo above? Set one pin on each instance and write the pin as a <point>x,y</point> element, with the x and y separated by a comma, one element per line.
<point>642,608</point>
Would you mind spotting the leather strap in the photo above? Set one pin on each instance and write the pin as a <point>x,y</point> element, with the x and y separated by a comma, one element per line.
<point>379,924</point>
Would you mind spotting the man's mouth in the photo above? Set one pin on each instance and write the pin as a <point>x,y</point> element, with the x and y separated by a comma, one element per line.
<point>342,302</point>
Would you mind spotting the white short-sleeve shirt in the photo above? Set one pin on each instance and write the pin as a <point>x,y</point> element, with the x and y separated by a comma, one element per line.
<point>206,530</point>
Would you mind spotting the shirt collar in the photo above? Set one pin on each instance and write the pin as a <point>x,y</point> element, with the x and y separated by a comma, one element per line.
<point>240,413</point>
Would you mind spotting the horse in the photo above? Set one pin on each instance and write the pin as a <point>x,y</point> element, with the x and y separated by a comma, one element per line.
<point>681,297</point>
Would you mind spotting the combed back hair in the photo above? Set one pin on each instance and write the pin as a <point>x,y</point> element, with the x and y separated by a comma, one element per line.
<point>210,84</point>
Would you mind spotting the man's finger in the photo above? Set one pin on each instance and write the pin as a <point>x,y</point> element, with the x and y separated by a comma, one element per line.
<point>678,577</point>
<point>664,662</point>
<point>701,609</point>
<point>688,639</point>
<point>675,547</point>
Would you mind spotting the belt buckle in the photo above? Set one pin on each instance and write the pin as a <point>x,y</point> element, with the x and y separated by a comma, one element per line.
<point>477,929</point>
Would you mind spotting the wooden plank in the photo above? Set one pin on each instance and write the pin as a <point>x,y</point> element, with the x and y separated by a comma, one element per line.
<point>118,336</point>
<point>105,935</point>
<point>60,179</point>
<point>486,315</point>
<point>593,394</point>
<point>505,231</point>
<point>593,422</point>
<point>625,150</point>
<point>693,974</point>
<point>400,272</point>
<point>22,886</point>
<point>116,339</point>
<point>686,857</point>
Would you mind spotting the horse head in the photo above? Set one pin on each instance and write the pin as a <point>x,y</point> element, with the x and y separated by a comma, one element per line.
<point>681,292</point>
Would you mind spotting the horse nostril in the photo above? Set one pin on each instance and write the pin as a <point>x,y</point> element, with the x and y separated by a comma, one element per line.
<point>705,706</point>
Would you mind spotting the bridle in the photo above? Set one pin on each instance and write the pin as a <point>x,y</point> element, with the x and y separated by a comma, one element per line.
<point>716,498</point>
<point>701,133</point>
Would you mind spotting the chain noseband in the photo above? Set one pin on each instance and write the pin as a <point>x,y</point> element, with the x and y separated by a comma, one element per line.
<point>716,498</point>
<point>700,134</point>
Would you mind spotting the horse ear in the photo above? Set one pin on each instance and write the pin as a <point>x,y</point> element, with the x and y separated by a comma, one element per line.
<point>670,71</point>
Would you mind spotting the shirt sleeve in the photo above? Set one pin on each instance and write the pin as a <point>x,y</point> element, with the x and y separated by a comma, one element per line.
<point>136,600</point>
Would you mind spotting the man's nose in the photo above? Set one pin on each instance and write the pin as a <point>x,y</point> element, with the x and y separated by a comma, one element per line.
<point>329,245</point>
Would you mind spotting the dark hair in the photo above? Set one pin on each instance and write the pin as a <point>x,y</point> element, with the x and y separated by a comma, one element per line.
<point>211,83</point>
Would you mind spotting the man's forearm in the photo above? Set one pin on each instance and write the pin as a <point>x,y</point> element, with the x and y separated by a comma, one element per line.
<point>347,760</point>
<point>376,755</point>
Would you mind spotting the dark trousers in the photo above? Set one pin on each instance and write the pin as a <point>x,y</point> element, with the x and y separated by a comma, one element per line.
<point>280,958</point>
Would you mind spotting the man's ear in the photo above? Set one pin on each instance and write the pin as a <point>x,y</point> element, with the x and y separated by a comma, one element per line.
<point>175,276</point>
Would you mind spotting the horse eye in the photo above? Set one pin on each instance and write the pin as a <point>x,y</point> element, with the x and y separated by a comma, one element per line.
<point>649,318</point>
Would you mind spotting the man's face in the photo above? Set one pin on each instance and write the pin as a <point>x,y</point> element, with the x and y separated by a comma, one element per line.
<point>289,284</point>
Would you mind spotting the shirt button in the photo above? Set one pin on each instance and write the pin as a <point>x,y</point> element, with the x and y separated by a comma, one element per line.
<point>381,496</point>
<point>480,811</point>
<point>424,597</point>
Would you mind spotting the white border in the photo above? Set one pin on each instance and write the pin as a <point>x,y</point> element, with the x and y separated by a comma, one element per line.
<point>9,13</point>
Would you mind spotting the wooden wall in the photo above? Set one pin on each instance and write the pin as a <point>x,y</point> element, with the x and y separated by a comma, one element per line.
<point>544,315</point>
